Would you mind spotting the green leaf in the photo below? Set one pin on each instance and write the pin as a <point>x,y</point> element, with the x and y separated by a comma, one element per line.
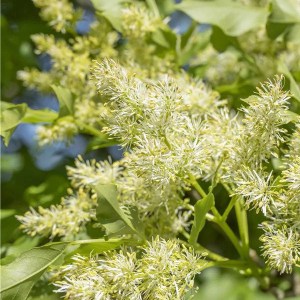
<point>191,43</point>
<point>101,141</point>
<point>202,207</point>
<point>166,7</point>
<point>11,117</point>
<point>294,87</point>
<point>275,30</point>
<point>111,216</point>
<point>233,18</point>
<point>111,10</point>
<point>221,41</point>
<point>39,116</point>
<point>21,292</point>
<point>65,99</point>
<point>7,259</point>
<point>22,244</point>
<point>22,273</point>
<point>153,7</point>
<point>14,114</point>
<point>290,116</point>
<point>164,38</point>
<point>285,11</point>
<point>293,34</point>
<point>5,213</point>
<point>95,246</point>
<point>48,295</point>
<point>285,20</point>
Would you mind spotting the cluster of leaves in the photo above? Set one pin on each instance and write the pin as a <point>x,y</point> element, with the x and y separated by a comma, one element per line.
<point>177,135</point>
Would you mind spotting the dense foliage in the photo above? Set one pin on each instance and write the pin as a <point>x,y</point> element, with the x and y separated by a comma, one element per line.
<point>202,98</point>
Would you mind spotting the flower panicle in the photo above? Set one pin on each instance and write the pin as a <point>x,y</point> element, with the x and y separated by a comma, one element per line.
<point>64,129</point>
<point>60,14</point>
<point>164,270</point>
<point>90,172</point>
<point>257,189</point>
<point>281,247</point>
<point>138,22</point>
<point>264,116</point>
<point>64,220</point>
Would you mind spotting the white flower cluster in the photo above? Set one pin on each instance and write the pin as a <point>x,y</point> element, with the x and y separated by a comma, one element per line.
<point>158,209</point>
<point>64,220</point>
<point>154,119</point>
<point>262,132</point>
<point>63,129</point>
<point>171,139</point>
<point>91,173</point>
<point>138,21</point>
<point>281,247</point>
<point>281,238</point>
<point>279,198</point>
<point>281,233</point>
<point>71,60</point>
<point>164,270</point>
<point>59,13</point>
<point>170,144</point>
<point>256,189</point>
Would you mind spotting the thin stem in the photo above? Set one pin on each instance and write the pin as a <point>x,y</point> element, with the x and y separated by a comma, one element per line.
<point>231,264</point>
<point>197,186</point>
<point>217,218</point>
<point>215,177</point>
<point>216,213</point>
<point>231,203</point>
<point>152,5</point>
<point>229,233</point>
<point>241,216</point>
<point>243,249</point>
<point>229,208</point>
<point>89,129</point>
<point>242,220</point>
<point>228,188</point>
<point>210,254</point>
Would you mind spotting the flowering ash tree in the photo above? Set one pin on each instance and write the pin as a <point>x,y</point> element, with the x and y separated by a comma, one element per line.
<point>195,112</point>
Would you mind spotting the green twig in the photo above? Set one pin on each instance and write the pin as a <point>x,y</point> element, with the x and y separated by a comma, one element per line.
<point>241,216</point>
<point>242,221</point>
<point>229,208</point>
<point>212,255</point>
<point>197,186</point>
<point>231,264</point>
<point>89,129</point>
<point>229,233</point>
<point>217,218</point>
